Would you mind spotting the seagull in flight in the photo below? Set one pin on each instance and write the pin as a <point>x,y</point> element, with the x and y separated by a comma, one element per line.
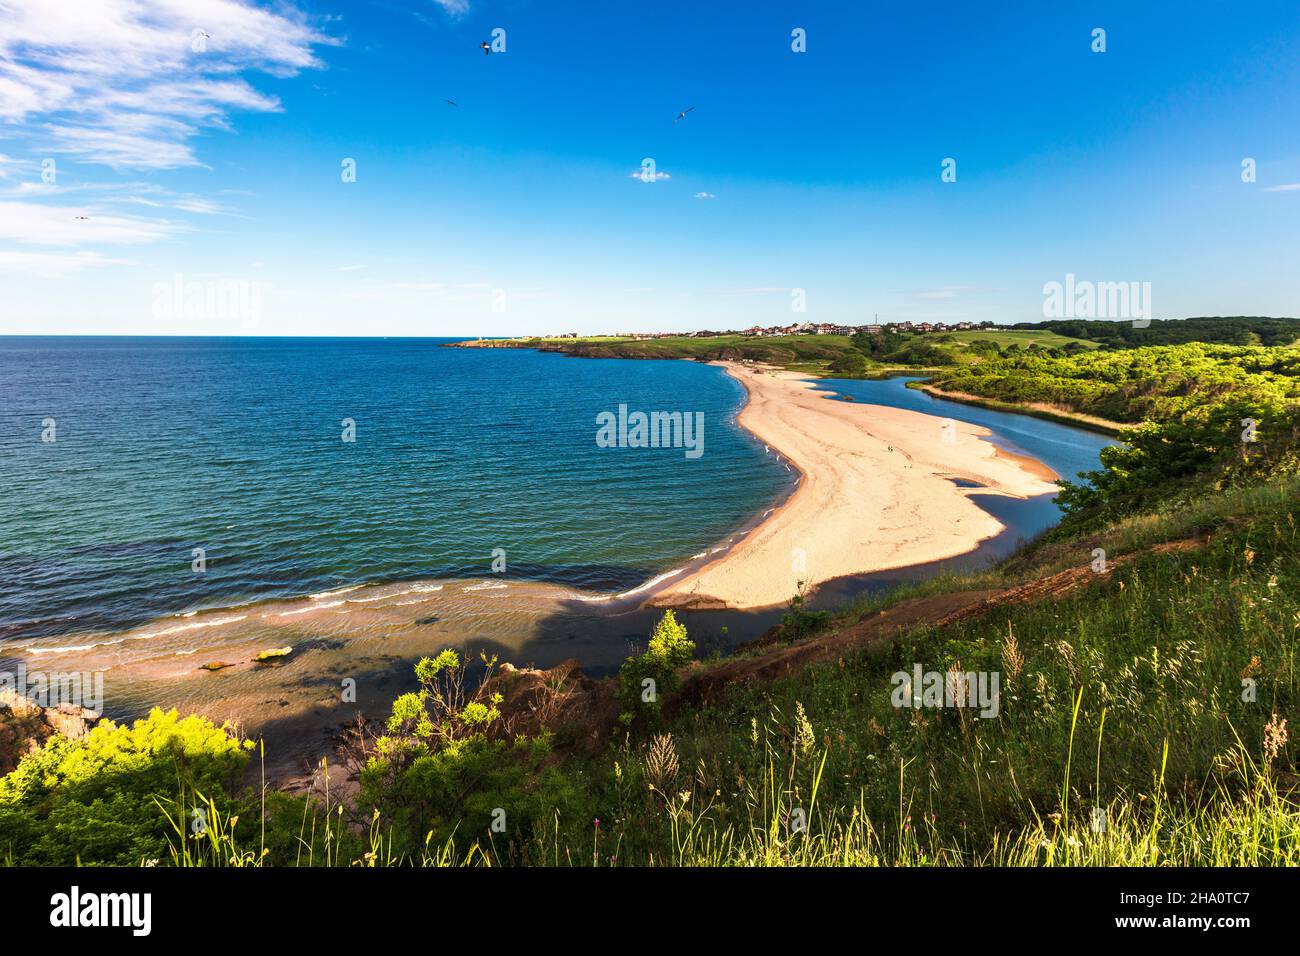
<point>487,50</point>
<point>682,114</point>
<point>83,217</point>
<point>451,102</point>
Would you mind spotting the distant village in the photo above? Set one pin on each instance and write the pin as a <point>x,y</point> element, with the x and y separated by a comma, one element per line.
<point>804,328</point>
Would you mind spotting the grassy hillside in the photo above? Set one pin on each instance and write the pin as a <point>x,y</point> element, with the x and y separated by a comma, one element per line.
<point>1021,337</point>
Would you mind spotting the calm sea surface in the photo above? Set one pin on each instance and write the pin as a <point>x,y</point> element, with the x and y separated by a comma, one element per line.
<point>235,446</point>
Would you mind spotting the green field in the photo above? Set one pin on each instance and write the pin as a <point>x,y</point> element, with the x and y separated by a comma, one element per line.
<point>1023,338</point>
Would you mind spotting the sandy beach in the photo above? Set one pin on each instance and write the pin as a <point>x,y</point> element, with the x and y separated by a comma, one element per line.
<point>878,491</point>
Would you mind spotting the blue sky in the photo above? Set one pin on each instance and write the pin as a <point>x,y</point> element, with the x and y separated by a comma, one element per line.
<point>520,209</point>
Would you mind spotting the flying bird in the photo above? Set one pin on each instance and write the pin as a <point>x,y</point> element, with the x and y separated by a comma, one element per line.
<point>452,102</point>
<point>83,217</point>
<point>487,50</point>
<point>682,114</point>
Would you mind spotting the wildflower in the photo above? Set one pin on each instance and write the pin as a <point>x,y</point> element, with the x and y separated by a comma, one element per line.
<point>1275,737</point>
<point>1055,818</point>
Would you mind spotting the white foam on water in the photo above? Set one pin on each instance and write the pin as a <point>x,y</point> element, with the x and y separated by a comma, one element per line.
<point>486,586</point>
<point>653,581</point>
<point>189,627</point>
<point>69,650</point>
<point>314,607</point>
<point>325,594</point>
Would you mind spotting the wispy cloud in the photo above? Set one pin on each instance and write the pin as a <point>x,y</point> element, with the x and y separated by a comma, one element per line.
<point>48,225</point>
<point>53,265</point>
<point>128,83</point>
<point>649,176</point>
<point>705,196</point>
<point>1284,188</point>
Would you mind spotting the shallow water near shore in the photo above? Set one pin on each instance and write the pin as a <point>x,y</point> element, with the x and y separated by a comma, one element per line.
<point>362,556</point>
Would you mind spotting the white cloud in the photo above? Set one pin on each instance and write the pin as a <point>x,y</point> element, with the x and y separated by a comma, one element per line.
<point>46,225</point>
<point>646,176</point>
<point>196,204</point>
<point>52,265</point>
<point>1284,188</point>
<point>454,7</point>
<point>120,82</point>
<point>705,196</point>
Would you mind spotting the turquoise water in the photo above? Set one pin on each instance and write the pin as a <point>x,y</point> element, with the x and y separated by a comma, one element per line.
<point>235,446</point>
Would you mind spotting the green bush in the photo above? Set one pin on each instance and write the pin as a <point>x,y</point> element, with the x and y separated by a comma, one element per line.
<point>448,769</point>
<point>797,622</point>
<point>669,650</point>
<point>94,800</point>
<point>851,363</point>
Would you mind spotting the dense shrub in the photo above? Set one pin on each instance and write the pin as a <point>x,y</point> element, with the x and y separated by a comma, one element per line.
<point>96,799</point>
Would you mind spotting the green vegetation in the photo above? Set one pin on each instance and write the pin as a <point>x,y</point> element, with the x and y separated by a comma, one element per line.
<point>643,678</point>
<point>1140,384</point>
<point>1235,330</point>
<point>1212,412</point>
<point>100,799</point>
<point>1004,337</point>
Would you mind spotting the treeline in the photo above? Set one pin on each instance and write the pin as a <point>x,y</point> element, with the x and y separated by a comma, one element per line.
<point>1133,385</point>
<point>1216,330</point>
<point>1200,414</point>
